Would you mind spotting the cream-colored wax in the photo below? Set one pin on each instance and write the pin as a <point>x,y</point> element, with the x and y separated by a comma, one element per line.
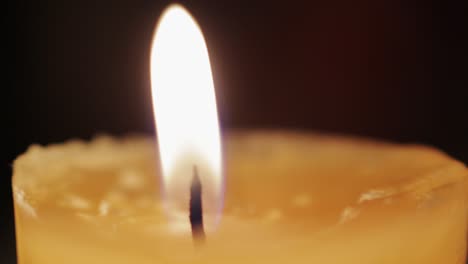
<point>290,198</point>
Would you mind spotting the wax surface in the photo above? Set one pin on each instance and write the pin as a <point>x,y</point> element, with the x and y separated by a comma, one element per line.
<point>290,198</point>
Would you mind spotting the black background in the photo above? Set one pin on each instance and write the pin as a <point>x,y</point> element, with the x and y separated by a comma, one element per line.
<point>395,70</point>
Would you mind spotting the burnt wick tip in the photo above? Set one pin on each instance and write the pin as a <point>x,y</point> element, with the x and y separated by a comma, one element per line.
<point>196,209</point>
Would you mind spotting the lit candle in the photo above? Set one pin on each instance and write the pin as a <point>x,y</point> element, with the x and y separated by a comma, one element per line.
<point>290,197</point>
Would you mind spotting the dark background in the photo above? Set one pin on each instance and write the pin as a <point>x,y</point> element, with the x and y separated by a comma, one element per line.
<point>395,70</point>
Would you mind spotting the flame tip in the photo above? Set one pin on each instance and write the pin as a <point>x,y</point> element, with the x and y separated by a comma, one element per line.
<point>175,7</point>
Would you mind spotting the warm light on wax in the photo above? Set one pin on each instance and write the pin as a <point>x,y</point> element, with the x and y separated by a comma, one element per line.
<point>185,112</point>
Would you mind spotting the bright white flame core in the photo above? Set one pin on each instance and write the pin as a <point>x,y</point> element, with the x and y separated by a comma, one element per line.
<point>184,103</point>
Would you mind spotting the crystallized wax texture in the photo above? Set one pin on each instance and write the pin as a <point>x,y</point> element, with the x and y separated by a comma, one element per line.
<point>290,198</point>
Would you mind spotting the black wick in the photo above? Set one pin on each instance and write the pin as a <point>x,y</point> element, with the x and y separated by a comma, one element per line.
<point>196,210</point>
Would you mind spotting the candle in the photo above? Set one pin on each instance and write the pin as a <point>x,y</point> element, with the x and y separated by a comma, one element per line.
<point>286,197</point>
<point>301,198</point>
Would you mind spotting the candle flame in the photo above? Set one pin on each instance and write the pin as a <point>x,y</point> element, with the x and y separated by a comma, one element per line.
<point>185,111</point>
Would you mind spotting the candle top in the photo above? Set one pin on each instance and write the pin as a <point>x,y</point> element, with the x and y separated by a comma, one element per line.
<point>288,190</point>
<point>377,169</point>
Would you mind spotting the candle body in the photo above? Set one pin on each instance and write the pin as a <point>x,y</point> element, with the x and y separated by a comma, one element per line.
<point>290,197</point>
